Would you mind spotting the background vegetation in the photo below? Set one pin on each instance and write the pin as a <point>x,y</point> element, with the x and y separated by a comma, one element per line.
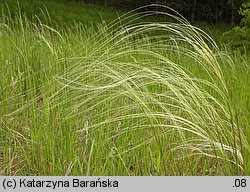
<point>210,11</point>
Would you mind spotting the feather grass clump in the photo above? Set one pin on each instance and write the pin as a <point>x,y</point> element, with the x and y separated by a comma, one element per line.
<point>138,93</point>
<point>165,78</point>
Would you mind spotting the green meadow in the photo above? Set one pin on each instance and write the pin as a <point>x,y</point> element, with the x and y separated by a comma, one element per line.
<point>91,90</point>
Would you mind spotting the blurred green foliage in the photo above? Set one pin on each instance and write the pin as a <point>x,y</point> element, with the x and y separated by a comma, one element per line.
<point>239,36</point>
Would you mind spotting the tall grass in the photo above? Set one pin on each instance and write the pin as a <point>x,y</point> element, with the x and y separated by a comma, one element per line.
<point>137,97</point>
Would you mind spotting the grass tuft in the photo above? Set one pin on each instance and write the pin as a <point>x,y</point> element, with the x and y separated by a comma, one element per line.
<point>137,97</point>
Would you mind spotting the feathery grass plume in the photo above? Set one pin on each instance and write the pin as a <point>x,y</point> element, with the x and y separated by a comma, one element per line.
<point>139,94</point>
<point>160,78</point>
